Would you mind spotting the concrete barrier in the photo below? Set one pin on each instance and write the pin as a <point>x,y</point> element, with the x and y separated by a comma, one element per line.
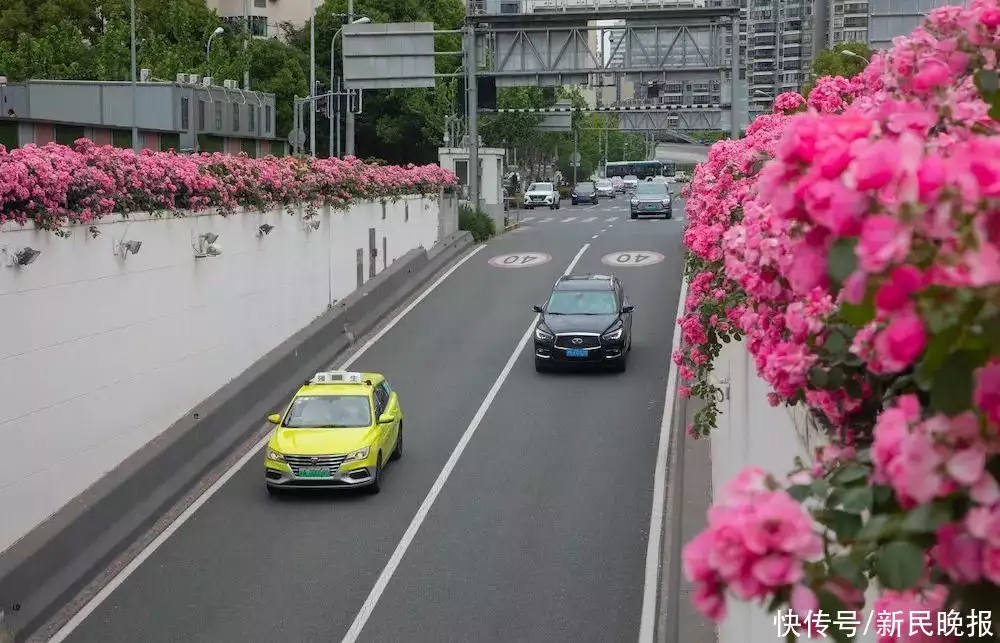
<point>58,558</point>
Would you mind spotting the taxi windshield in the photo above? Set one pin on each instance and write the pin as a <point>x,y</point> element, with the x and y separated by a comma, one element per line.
<point>329,412</point>
<point>582,302</point>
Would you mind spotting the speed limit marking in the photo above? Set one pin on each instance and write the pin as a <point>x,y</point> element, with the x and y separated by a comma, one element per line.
<point>520,260</point>
<point>633,258</point>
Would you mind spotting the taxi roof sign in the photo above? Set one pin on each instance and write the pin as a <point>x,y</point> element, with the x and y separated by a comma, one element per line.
<point>336,377</point>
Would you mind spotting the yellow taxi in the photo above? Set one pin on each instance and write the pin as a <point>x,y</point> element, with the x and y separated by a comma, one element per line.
<point>339,431</point>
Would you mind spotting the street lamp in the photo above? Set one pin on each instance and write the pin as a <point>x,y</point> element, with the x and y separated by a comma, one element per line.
<point>208,49</point>
<point>363,20</point>
<point>851,54</point>
<point>135,100</point>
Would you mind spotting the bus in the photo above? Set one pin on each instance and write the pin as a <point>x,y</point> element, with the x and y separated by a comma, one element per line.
<point>641,169</point>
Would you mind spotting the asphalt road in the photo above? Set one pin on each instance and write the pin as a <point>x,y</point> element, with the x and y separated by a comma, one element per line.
<point>539,534</point>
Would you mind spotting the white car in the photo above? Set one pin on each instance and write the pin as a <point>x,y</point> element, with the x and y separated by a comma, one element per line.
<point>605,188</point>
<point>541,195</point>
<point>631,182</point>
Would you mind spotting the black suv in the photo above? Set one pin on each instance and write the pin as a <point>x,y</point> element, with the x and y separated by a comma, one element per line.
<point>585,193</point>
<point>587,320</point>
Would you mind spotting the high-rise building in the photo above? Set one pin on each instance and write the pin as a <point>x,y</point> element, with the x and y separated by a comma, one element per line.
<point>265,16</point>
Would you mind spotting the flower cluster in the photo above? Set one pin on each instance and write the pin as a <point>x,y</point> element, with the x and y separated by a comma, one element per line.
<point>57,185</point>
<point>852,240</point>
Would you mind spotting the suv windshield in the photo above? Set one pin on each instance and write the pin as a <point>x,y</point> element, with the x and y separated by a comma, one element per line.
<point>540,187</point>
<point>582,302</point>
<point>329,412</point>
<point>653,189</point>
<point>584,187</point>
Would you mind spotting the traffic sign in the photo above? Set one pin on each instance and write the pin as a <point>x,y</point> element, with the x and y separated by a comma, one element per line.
<point>575,158</point>
<point>633,258</point>
<point>520,260</point>
<point>297,137</point>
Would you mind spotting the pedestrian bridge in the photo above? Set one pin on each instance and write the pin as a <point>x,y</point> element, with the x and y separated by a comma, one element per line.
<point>681,152</point>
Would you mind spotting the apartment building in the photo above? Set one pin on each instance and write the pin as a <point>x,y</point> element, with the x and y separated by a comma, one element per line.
<point>266,17</point>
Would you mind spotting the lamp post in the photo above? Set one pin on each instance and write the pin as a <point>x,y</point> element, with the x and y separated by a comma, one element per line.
<point>135,101</point>
<point>360,21</point>
<point>312,77</point>
<point>850,54</point>
<point>208,48</point>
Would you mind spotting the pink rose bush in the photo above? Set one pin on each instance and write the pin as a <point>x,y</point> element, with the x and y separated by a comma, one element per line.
<point>851,240</point>
<point>56,185</point>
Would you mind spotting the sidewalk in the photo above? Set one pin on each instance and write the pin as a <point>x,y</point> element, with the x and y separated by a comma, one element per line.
<point>696,491</point>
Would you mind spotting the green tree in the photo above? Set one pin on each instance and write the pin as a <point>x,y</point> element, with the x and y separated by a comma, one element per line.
<point>833,62</point>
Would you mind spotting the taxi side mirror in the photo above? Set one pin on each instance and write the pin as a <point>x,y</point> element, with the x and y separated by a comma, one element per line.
<point>386,418</point>
<point>274,418</point>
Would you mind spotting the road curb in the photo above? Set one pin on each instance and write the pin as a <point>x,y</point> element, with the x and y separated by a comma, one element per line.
<point>46,568</point>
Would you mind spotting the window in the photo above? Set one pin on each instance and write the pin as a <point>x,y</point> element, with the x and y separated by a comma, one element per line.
<point>68,134</point>
<point>381,400</point>
<point>9,136</point>
<point>258,26</point>
<point>201,115</point>
<point>185,116</point>
<point>218,117</point>
<point>260,4</point>
<point>582,302</point>
<point>236,117</point>
<point>267,119</point>
<point>252,118</point>
<point>249,147</point>
<point>170,142</point>
<point>122,138</point>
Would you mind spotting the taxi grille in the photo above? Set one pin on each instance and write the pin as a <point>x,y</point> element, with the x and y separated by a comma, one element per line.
<point>332,461</point>
<point>588,341</point>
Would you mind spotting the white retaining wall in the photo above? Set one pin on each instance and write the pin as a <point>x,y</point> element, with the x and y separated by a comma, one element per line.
<point>753,433</point>
<point>100,354</point>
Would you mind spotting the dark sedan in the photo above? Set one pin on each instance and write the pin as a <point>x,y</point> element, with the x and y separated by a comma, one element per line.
<point>585,193</point>
<point>587,321</point>
<point>652,199</point>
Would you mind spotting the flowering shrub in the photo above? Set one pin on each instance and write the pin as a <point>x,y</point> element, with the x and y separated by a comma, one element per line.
<point>853,241</point>
<point>57,185</point>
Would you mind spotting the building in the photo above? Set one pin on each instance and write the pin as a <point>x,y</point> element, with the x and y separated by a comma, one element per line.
<point>185,116</point>
<point>266,17</point>
<point>890,18</point>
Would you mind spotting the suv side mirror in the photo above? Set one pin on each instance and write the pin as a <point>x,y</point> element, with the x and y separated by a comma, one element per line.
<point>627,309</point>
<point>537,309</point>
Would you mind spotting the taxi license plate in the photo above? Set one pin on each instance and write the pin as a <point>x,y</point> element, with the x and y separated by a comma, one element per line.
<point>576,352</point>
<point>315,472</point>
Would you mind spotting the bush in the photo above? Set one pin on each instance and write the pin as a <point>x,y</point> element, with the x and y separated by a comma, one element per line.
<point>477,222</point>
<point>565,192</point>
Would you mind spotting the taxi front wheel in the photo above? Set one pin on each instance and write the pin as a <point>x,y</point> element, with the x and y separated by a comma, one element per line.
<point>376,484</point>
<point>397,451</point>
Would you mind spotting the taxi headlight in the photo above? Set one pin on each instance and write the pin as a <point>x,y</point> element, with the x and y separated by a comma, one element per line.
<point>360,454</point>
<point>274,455</point>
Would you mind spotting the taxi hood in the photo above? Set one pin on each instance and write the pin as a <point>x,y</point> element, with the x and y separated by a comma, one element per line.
<point>321,441</point>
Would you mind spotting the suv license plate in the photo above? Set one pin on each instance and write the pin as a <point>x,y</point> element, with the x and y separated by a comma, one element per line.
<point>576,352</point>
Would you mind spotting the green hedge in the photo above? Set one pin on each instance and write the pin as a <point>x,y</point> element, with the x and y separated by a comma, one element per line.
<point>477,222</point>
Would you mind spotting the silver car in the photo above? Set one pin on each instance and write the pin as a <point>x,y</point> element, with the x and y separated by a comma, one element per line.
<point>652,199</point>
<point>605,188</point>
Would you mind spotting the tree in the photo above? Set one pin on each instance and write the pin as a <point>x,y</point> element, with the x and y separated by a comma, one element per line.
<point>833,62</point>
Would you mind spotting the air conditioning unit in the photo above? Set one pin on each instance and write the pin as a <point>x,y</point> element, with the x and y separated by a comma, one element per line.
<point>145,75</point>
<point>194,79</point>
<point>230,84</point>
<point>207,81</point>
<point>182,79</point>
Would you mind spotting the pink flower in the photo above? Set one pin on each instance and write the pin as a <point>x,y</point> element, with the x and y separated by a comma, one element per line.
<point>987,392</point>
<point>902,341</point>
<point>884,242</point>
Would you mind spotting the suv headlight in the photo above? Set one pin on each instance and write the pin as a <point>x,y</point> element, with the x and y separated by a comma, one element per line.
<point>635,202</point>
<point>542,334</point>
<point>360,454</point>
<point>666,201</point>
<point>274,455</point>
<point>615,332</point>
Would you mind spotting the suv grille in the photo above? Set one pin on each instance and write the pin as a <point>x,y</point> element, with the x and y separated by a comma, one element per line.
<point>588,341</point>
<point>332,461</point>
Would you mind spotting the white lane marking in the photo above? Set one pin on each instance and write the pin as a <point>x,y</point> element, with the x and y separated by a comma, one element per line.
<point>568,219</point>
<point>404,543</point>
<point>595,236</point>
<point>589,219</point>
<point>647,624</point>
<point>186,515</point>
<point>593,206</point>
<point>611,225</point>
<point>610,219</point>
<point>527,218</point>
<point>546,219</point>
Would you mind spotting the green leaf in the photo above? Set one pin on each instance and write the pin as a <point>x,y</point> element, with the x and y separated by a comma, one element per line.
<point>817,377</point>
<point>857,315</point>
<point>987,81</point>
<point>951,391</point>
<point>900,565</point>
<point>849,474</point>
<point>845,525</point>
<point>835,343</point>
<point>835,378</point>
<point>842,261</point>
<point>926,519</point>
<point>800,492</point>
<point>831,605</point>
<point>876,527</point>
<point>857,500</point>
<point>819,488</point>
<point>844,567</point>
<point>882,498</point>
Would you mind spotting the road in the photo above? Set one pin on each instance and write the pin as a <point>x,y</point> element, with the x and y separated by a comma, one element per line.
<point>538,534</point>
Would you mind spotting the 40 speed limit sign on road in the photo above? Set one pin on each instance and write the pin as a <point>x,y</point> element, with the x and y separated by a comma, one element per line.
<point>520,260</point>
<point>632,258</point>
